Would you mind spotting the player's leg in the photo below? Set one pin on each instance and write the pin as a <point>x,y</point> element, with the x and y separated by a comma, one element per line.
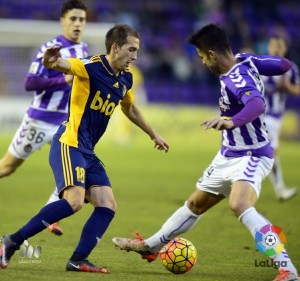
<point>184,218</point>
<point>64,160</point>
<point>18,150</point>
<point>29,137</point>
<point>47,215</point>
<point>54,228</point>
<point>181,221</point>
<point>100,195</point>
<point>276,177</point>
<point>208,193</point>
<point>8,164</point>
<point>244,194</point>
<point>282,192</point>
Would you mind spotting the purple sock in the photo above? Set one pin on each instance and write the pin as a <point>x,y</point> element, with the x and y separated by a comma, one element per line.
<point>49,214</point>
<point>92,232</point>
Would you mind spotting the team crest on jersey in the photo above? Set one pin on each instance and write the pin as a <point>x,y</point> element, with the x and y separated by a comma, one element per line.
<point>34,67</point>
<point>86,61</point>
<point>124,91</point>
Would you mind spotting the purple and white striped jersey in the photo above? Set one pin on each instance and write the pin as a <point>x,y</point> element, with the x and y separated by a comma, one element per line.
<point>276,98</point>
<point>240,84</point>
<point>51,105</point>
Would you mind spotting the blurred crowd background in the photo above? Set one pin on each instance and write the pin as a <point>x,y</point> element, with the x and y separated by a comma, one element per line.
<point>172,71</point>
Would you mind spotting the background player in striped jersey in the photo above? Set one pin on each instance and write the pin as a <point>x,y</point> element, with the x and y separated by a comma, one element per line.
<point>276,90</point>
<point>51,93</point>
<point>101,82</point>
<point>245,157</point>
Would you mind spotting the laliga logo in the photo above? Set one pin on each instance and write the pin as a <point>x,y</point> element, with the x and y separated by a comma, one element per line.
<point>270,240</point>
<point>29,251</point>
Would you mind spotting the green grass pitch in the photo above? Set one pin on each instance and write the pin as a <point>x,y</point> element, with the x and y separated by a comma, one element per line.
<point>149,186</point>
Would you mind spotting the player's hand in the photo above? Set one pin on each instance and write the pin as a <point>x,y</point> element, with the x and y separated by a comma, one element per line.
<point>69,79</point>
<point>160,143</point>
<point>51,55</point>
<point>218,124</point>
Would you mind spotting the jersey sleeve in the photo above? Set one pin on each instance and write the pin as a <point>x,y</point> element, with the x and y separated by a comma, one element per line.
<point>243,87</point>
<point>78,68</point>
<point>271,65</point>
<point>129,97</point>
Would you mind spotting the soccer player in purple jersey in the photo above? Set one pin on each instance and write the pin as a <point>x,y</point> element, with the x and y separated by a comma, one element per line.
<point>51,93</point>
<point>245,157</point>
<point>276,90</point>
<point>101,83</point>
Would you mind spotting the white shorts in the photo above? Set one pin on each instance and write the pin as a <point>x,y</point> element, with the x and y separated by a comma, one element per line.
<point>30,136</point>
<point>274,129</point>
<point>223,172</point>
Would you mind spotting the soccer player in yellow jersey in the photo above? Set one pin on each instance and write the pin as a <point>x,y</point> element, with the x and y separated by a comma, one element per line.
<point>100,83</point>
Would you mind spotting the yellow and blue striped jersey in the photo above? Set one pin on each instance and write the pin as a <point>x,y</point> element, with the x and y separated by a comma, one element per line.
<point>95,93</point>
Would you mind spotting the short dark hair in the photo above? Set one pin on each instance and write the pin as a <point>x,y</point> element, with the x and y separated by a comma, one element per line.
<point>72,4</point>
<point>210,37</point>
<point>118,34</point>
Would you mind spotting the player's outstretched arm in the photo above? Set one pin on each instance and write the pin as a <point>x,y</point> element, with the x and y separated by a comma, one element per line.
<point>136,117</point>
<point>218,124</point>
<point>253,108</point>
<point>52,59</point>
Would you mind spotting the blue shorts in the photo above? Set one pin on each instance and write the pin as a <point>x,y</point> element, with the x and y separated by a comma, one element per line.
<point>71,167</point>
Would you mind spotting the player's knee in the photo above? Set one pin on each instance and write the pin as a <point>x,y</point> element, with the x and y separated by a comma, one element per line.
<point>194,207</point>
<point>76,205</point>
<point>238,206</point>
<point>114,206</point>
<point>110,204</point>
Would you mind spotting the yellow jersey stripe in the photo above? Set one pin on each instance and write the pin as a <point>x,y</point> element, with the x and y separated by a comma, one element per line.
<point>79,97</point>
<point>66,163</point>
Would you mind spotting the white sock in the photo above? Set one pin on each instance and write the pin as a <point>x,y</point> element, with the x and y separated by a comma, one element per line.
<point>54,197</point>
<point>254,222</point>
<point>276,176</point>
<point>180,222</point>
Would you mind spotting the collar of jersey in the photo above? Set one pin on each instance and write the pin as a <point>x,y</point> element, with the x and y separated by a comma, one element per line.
<point>106,65</point>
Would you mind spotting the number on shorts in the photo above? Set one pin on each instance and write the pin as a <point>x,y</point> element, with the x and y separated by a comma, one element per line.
<point>35,136</point>
<point>80,174</point>
<point>210,170</point>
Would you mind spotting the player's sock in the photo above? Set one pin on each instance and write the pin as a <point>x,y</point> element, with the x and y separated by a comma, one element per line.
<point>254,221</point>
<point>49,214</point>
<point>92,232</point>
<point>276,176</point>
<point>54,196</point>
<point>180,222</point>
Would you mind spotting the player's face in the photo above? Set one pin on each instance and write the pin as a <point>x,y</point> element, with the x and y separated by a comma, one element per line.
<point>126,54</point>
<point>210,61</point>
<point>277,47</point>
<point>73,24</point>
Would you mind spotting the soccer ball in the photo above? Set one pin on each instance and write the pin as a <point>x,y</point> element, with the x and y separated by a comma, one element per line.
<point>178,256</point>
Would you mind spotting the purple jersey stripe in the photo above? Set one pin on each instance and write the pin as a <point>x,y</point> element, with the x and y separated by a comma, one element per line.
<point>72,52</point>
<point>257,126</point>
<point>230,138</point>
<point>51,117</point>
<point>245,135</point>
<point>64,101</point>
